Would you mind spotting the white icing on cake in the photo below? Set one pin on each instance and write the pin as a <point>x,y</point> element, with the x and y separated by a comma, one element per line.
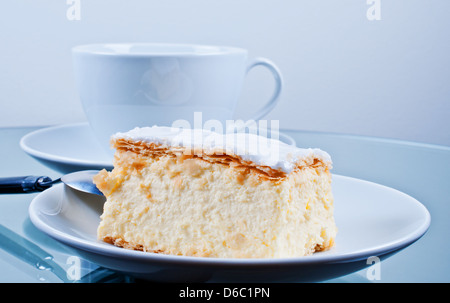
<point>250,147</point>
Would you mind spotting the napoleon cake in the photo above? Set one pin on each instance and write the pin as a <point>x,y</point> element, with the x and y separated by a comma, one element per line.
<point>192,192</point>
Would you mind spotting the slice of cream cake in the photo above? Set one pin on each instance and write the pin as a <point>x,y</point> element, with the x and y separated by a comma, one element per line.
<point>199,193</point>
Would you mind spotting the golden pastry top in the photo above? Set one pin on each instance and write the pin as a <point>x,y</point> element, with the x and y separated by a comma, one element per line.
<point>267,157</point>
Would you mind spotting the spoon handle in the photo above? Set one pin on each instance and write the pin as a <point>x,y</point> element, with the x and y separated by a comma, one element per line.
<point>24,184</point>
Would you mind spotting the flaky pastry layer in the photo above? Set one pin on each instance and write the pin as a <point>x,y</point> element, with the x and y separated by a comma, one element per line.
<point>218,156</point>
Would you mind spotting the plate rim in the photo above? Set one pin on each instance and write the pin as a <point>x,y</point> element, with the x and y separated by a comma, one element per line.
<point>109,250</point>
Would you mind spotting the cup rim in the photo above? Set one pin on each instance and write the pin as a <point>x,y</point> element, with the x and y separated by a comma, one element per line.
<point>124,49</point>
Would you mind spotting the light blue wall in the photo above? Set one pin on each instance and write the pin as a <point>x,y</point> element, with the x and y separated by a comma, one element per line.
<point>342,72</point>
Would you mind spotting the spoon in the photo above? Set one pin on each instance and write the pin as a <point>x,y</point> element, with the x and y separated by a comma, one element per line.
<point>80,180</point>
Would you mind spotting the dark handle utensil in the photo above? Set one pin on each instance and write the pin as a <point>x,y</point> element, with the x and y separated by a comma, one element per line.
<point>79,180</point>
<point>25,184</point>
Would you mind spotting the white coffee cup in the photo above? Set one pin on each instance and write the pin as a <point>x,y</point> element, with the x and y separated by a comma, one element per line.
<point>123,86</point>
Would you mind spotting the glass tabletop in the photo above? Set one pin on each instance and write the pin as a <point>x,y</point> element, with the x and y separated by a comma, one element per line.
<point>419,170</point>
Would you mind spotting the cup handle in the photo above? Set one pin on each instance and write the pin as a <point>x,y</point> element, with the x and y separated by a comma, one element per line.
<point>278,85</point>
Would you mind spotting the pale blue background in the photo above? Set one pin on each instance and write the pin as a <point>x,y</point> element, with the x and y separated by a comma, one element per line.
<point>343,73</point>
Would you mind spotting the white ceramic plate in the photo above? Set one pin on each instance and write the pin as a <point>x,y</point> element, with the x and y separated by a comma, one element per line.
<point>373,220</point>
<point>72,147</point>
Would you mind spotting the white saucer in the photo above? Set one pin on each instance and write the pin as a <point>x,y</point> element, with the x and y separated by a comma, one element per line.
<point>73,147</point>
<point>373,220</point>
<point>66,148</point>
